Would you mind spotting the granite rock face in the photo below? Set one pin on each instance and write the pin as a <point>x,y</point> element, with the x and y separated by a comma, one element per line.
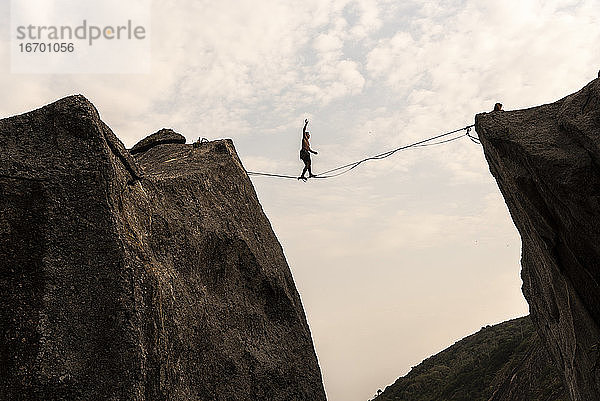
<point>533,377</point>
<point>546,161</point>
<point>154,277</point>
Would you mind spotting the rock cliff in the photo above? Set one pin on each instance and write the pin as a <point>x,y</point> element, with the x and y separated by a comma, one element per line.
<point>532,377</point>
<point>546,161</point>
<point>148,277</point>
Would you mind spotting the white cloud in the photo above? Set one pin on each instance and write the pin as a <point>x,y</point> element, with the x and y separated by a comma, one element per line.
<point>328,43</point>
<point>371,76</point>
<point>369,20</point>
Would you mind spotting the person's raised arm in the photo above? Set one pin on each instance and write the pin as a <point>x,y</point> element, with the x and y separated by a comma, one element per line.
<point>305,124</point>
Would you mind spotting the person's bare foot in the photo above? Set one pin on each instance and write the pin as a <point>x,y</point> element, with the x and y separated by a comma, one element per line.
<point>303,178</point>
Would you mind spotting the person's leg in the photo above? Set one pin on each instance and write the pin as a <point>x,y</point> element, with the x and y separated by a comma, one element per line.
<point>302,177</point>
<point>310,174</point>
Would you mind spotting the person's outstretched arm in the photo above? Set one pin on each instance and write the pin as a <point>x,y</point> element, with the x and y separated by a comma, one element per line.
<point>305,124</point>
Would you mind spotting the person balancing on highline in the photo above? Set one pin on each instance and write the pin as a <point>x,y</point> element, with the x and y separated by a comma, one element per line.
<point>305,153</point>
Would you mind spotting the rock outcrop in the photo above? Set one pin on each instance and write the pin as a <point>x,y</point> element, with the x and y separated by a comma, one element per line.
<point>546,161</point>
<point>154,277</point>
<point>504,362</point>
<point>161,137</point>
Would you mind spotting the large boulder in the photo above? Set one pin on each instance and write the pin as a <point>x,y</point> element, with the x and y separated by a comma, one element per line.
<point>546,161</point>
<point>161,137</point>
<point>156,278</point>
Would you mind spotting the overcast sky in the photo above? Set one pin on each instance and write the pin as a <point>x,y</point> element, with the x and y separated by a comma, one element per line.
<point>400,258</point>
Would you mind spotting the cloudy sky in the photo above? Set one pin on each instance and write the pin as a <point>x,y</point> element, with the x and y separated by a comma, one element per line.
<point>400,258</point>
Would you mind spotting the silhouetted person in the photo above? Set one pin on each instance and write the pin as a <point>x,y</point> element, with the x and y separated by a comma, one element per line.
<point>498,107</point>
<point>305,153</point>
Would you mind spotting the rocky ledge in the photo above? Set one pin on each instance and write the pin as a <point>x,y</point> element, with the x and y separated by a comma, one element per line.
<point>546,161</point>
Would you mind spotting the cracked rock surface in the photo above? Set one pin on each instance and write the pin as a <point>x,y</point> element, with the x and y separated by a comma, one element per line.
<point>546,161</point>
<point>147,277</point>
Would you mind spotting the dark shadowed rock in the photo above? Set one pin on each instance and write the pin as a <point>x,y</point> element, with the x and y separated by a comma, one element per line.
<point>533,377</point>
<point>158,278</point>
<point>161,137</point>
<point>546,161</point>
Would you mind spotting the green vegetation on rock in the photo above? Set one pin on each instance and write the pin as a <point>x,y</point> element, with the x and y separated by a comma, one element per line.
<point>505,362</point>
